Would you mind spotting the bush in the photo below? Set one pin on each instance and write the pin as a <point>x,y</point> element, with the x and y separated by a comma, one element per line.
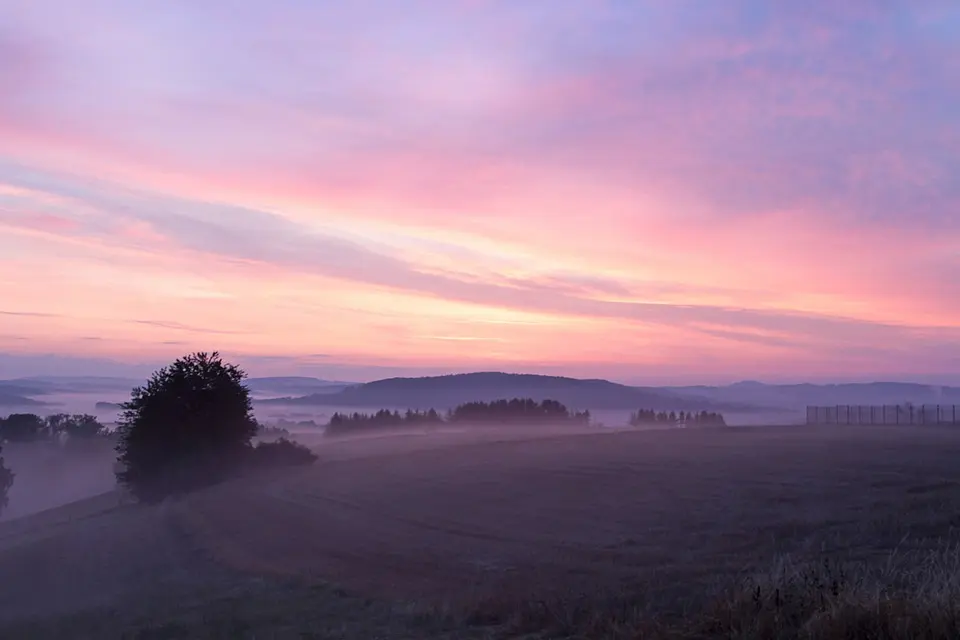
<point>282,453</point>
<point>190,426</point>
<point>6,481</point>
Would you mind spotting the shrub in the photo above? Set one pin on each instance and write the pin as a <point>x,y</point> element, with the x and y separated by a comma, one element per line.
<point>190,426</point>
<point>282,453</point>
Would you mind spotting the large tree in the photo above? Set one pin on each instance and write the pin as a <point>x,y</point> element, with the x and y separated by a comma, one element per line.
<point>189,426</point>
<point>6,481</point>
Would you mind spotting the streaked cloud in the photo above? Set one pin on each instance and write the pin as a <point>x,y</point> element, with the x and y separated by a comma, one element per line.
<point>612,185</point>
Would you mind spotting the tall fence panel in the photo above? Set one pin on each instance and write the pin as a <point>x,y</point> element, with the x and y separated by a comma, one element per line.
<point>885,414</point>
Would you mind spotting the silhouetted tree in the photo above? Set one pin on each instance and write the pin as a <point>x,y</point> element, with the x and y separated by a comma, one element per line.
<point>346,423</point>
<point>690,418</point>
<point>6,481</point>
<point>516,411</point>
<point>75,426</point>
<point>191,425</point>
<point>21,427</point>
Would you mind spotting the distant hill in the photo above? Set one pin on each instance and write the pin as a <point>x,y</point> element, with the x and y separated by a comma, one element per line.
<point>797,396</point>
<point>76,384</point>
<point>292,386</point>
<point>19,391</point>
<point>13,396</point>
<point>449,391</point>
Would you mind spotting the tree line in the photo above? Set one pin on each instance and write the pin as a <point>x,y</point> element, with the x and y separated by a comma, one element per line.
<point>648,417</point>
<point>29,427</point>
<point>384,418</point>
<point>516,411</point>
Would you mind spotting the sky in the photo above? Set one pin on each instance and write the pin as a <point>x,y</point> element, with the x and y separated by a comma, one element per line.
<point>645,190</point>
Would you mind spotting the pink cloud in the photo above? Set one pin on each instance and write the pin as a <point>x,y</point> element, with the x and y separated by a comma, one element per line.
<point>711,181</point>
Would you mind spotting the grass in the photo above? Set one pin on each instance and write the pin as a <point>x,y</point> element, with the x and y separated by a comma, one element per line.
<point>912,595</point>
<point>907,595</point>
<point>744,534</point>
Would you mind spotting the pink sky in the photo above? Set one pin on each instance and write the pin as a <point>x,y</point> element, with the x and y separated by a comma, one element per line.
<point>645,191</point>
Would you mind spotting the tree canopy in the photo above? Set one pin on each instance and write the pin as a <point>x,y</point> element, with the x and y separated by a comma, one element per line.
<point>21,427</point>
<point>519,411</point>
<point>645,417</point>
<point>187,427</point>
<point>80,425</point>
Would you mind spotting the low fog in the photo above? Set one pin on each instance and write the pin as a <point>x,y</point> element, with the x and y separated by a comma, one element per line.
<point>49,476</point>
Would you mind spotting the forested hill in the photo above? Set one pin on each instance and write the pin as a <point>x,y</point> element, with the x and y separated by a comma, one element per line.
<point>452,390</point>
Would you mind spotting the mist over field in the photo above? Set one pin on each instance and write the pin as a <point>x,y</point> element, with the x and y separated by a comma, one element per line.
<point>48,477</point>
<point>495,320</point>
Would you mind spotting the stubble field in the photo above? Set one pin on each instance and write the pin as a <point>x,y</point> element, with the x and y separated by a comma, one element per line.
<point>397,536</point>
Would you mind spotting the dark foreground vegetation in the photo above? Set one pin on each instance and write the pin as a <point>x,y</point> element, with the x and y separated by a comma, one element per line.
<point>519,411</point>
<point>914,596</point>
<point>908,595</point>
<point>191,426</point>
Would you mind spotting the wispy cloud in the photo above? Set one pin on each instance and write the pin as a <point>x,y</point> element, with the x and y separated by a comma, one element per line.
<point>764,185</point>
<point>179,326</point>
<point>27,314</point>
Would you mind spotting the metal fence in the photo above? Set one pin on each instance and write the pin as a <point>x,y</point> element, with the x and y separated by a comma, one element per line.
<point>885,414</point>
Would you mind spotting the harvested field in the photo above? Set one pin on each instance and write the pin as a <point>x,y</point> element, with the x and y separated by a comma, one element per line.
<point>661,508</point>
<point>450,520</point>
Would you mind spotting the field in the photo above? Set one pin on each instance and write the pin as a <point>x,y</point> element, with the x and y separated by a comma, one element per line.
<point>448,535</point>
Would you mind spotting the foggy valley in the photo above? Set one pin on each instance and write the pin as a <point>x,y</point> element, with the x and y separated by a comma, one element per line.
<point>412,526</point>
<point>540,320</point>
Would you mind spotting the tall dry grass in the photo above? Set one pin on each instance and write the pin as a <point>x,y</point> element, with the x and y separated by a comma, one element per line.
<point>903,595</point>
<point>907,595</point>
